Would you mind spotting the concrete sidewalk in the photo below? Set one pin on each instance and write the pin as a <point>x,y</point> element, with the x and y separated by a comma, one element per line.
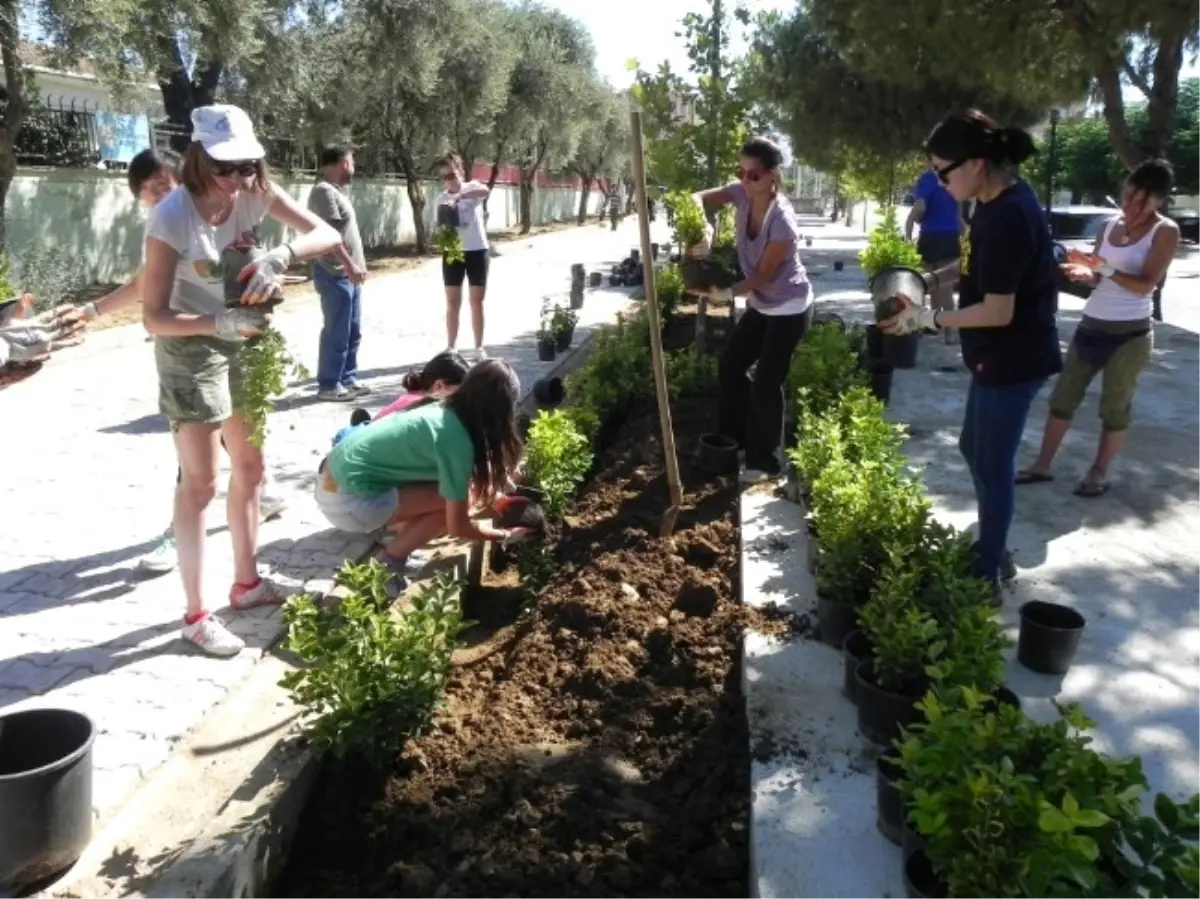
<point>88,476</point>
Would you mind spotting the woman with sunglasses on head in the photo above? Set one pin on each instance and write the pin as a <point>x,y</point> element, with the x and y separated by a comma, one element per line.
<point>778,307</point>
<point>462,202</point>
<point>1115,336</point>
<point>1008,296</point>
<point>226,193</point>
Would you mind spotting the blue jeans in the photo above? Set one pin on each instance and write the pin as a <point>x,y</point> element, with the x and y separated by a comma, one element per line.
<point>341,307</point>
<point>991,435</point>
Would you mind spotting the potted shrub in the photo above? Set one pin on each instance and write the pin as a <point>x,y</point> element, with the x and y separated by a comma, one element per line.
<point>904,640</point>
<point>562,323</point>
<point>886,251</point>
<point>547,345</point>
<point>699,268</point>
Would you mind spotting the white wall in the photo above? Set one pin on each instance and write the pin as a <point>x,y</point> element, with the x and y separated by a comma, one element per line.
<point>92,216</point>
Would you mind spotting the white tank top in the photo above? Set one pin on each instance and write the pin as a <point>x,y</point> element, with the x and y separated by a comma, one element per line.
<point>1112,302</point>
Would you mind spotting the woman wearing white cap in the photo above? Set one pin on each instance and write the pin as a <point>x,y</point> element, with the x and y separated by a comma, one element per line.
<point>226,193</point>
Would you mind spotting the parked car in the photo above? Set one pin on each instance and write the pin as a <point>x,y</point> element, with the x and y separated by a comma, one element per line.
<point>1188,221</point>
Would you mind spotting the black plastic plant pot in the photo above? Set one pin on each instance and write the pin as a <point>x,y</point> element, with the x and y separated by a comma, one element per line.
<point>920,882</point>
<point>856,649</point>
<point>577,296</point>
<point>533,494</point>
<point>717,454</point>
<point>901,349</point>
<point>547,349</point>
<point>549,392</point>
<point>595,279</point>
<point>699,274</point>
<point>835,620</point>
<point>654,252</point>
<point>879,379</point>
<point>578,271</point>
<point>882,713</point>
<point>910,841</point>
<point>1049,637</point>
<point>562,340</point>
<point>874,343</point>
<point>634,255</point>
<point>45,794</point>
<point>791,435</point>
<point>892,282</point>
<point>838,265</point>
<point>889,804</point>
<point>1004,696</point>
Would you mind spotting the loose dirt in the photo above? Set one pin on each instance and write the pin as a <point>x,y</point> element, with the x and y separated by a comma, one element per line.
<point>595,741</point>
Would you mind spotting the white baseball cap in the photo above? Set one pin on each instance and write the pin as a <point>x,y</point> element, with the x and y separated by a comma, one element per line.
<point>226,133</point>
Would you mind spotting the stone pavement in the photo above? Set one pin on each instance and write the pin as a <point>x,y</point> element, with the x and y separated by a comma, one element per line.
<point>88,476</point>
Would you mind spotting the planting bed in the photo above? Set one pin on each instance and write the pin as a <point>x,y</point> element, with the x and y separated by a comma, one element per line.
<point>594,744</point>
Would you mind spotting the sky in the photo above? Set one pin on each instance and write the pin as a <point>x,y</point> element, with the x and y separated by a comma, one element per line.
<point>644,31</point>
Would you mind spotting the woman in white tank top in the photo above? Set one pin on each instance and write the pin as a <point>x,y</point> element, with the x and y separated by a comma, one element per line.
<point>1115,334</point>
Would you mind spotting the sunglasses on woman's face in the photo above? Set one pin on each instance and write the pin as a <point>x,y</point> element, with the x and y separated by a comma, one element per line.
<point>751,175</point>
<point>449,177</point>
<point>943,174</point>
<point>225,169</point>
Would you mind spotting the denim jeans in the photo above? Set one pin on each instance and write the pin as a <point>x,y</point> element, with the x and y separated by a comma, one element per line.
<point>751,412</point>
<point>991,435</point>
<point>341,307</point>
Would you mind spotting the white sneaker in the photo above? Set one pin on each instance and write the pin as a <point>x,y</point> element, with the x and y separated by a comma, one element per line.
<point>211,636</point>
<point>162,558</point>
<point>481,354</point>
<point>271,506</point>
<point>337,394</point>
<point>267,592</point>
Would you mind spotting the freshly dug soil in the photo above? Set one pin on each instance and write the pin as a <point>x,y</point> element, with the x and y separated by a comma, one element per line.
<point>594,745</point>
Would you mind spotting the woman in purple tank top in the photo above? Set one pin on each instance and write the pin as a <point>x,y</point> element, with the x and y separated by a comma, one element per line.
<point>778,308</point>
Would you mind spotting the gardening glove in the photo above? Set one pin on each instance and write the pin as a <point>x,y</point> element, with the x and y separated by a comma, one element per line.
<point>38,337</point>
<point>242,321</point>
<point>911,318</point>
<point>264,275</point>
<point>703,249</point>
<point>513,537</point>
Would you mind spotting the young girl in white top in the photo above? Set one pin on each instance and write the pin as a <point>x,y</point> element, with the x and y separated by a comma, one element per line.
<point>1115,335</point>
<point>462,201</point>
<point>226,193</point>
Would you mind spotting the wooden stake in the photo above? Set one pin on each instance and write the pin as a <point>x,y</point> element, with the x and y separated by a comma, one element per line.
<point>656,351</point>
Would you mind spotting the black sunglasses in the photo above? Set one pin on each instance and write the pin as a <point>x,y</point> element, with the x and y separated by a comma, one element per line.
<point>245,169</point>
<point>943,174</point>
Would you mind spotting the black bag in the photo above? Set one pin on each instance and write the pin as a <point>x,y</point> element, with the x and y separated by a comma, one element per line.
<point>447,216</point>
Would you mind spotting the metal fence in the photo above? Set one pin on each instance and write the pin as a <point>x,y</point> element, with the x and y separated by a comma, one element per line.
<point>62,135</point>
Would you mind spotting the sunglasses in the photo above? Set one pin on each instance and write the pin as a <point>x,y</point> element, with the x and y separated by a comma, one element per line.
<point>751,175</point>
<point>943,174</point>
<point>225,169</point>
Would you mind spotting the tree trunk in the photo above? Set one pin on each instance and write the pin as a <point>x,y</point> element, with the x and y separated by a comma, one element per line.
<point>181,92</point>
<point>527,200</point>
<point>584,193</point>
<point>497,161</point>
<point>14,110</point>
<point>1163,98</point>
<point>416,199</point>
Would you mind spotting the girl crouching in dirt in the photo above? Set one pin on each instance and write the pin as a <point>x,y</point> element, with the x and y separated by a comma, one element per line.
<point>438,379</point>
<point>416,473</point>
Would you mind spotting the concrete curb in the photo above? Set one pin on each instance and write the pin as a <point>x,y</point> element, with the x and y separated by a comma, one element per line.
<point>219,817</point>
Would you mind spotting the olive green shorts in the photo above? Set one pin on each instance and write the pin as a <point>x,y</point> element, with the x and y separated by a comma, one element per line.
<point>1119,379</point>
<point>199,379</point>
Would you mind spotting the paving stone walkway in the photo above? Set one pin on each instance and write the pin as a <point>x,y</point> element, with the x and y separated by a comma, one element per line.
<point>87,480</point>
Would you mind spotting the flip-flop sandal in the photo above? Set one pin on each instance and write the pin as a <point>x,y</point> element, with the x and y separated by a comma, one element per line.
<point>1091,489</point>
<point>1032,477</point>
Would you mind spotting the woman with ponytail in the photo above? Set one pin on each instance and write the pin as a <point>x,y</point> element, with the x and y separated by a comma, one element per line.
<point>436,380</point>
<point>1008,297</point>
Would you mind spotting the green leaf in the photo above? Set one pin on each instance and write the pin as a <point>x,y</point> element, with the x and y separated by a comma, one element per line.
<point>1051,820</point>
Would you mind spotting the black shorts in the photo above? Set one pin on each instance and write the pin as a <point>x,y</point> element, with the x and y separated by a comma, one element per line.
<point>474,268</point>
<point>938,246</point>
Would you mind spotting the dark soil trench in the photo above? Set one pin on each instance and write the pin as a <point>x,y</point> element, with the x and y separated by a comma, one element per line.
<point>595,745</point>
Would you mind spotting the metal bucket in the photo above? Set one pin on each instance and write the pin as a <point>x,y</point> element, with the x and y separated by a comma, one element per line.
<point>890,283</point>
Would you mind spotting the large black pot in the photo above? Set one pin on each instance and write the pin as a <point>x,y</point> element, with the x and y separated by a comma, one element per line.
<point>549,392</point>
<point>835,620</point>
<point>889,804</point>
<point>874,342</point>
<point>717,454</point>
<point>901,350</point>
<point>879,375</point>
<point>45,793</point>
<point>562,339</point>
<point>919,880</point>
<point>702,273</point>
<point>910,840</point>
<point>595,279</point>
<point>547,349</point>
<point>882,713</point>
<point>1049,637</point>
<point>856,649</point>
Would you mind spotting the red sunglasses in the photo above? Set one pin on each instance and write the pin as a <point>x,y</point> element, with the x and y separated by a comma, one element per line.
<point>751,175</point>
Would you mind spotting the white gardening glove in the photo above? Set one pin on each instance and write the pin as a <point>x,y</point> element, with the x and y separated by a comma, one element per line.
<point>242,321</point>
<point>37,337</point>
<point>264,276</point>
<point>514,536</point>
<point>703,249</point>
<point>90,312</point>
<point>917,318</point>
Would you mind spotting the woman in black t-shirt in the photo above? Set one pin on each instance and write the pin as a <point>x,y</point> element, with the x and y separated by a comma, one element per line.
<point>1008,297</point>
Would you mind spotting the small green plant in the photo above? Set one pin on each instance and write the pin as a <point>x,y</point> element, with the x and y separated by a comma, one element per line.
<point>617,371</point>
<point>724,234</point>
<point>1162,859</point>
<point>904,636</point>
<point>668,283</point>
<point>536,565</point>
<point>374,675</point>
<point>266,364</point>
<point>584,418</point>
<point>824,367</point>
<point>448,243</point>
<point>690,373</point>
<point>7,291</point>
<point>690,225</point>
<point>887,248</point>
<point>563,320</point>
<point>557,458</point>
